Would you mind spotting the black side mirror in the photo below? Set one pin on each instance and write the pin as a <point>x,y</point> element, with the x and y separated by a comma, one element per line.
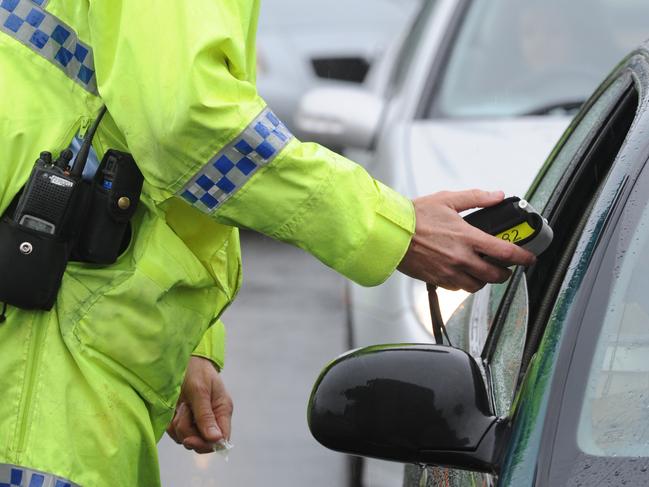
<point>422,404</point>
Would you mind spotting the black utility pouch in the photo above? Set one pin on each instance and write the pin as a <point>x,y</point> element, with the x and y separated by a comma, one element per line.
<point>31,266</point>
<point>115,194</point>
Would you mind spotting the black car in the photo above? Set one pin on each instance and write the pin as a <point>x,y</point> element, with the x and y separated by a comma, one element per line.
<point>549,383</point>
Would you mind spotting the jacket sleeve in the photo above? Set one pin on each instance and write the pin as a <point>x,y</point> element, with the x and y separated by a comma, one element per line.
<point>178,80</point>
<point>212,346</point>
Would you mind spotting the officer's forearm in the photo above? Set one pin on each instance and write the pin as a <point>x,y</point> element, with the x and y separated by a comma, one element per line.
<point>329,206</point>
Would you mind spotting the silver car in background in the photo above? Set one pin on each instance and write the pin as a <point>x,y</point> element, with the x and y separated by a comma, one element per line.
<point>475,95</point>
<point>302,44</point>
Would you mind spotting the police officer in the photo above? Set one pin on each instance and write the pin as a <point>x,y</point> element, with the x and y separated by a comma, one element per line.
<point>89,387</point>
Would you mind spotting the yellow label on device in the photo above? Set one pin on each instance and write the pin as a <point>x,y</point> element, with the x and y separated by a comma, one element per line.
<point>517,233</point>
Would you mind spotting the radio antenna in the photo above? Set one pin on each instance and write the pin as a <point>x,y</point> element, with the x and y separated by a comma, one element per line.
<point>84,150</point>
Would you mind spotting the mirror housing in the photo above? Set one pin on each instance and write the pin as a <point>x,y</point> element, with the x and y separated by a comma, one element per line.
<point>340,116</point>
<point>424,404</point>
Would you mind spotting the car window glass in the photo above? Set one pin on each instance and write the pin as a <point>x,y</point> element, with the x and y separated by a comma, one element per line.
<point>470,323</point>
<point>458,324</point>
<point>615,416</point>
<point>576,137</point>
<point>535,57</point>
<point>505,361</point>
<point>497,293</point>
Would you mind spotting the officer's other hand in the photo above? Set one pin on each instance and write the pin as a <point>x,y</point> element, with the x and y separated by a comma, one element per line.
<point>445,250</point>
<point>204,410</point>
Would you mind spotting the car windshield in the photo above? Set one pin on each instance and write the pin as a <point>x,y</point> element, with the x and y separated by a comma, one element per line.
<point>535,57</point>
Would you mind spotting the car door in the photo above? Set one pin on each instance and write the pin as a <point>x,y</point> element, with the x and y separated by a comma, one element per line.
<point>505,323</point>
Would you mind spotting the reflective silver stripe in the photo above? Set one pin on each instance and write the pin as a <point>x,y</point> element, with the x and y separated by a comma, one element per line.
<point>15,476</point>
<point>237,162</point>
<point>51,38</point>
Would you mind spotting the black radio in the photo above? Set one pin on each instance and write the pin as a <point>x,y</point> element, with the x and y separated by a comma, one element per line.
<point>47,202</point>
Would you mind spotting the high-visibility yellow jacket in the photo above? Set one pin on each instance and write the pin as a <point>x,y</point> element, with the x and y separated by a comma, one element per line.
<point>88,388</point>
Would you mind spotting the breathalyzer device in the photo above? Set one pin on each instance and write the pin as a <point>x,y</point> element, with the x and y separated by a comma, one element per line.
<point>514,220</point>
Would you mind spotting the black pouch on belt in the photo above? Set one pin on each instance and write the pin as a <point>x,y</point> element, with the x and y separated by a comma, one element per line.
<point>114,197</point>
<point>32,265</point>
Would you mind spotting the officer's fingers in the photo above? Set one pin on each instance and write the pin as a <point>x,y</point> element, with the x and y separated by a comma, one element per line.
<point>472,198</point>
<point>461,280</point>
<point>225,423</point>
<point>184,423</point>
<point>171,427</point>
<point>469,283</point>
<point>205,418</point>
<point>171,431</point>
<point>222,405</point>
<point>198,444</point>
<point>485,271</point>
<point>500,250</point>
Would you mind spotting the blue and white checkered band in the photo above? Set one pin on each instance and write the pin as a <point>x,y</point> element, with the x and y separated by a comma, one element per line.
<point>13,476</point>
<point>237,162</point>
<point>28,23</point>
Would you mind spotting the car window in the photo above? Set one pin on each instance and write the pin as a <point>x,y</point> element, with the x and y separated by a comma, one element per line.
<point>505,362</point>
<point>468,326</point>
<point>534,57</point>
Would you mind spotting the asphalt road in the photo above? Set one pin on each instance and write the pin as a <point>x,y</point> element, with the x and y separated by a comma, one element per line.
<point>285,325</point>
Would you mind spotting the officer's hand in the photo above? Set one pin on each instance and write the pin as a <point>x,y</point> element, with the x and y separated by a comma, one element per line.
<point>445,250</point>
<point>204,410</point>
